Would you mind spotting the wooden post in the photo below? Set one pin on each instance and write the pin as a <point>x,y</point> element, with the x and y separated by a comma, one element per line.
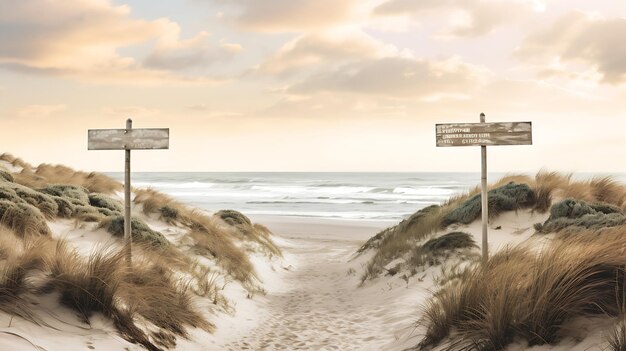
<point>484,196</point>
<point>484,134</point>
<point>128,139</point>
<point>128,240</point>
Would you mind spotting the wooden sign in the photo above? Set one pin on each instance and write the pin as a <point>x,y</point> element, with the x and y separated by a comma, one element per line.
<point>128,139</point>
<point>484,134</point>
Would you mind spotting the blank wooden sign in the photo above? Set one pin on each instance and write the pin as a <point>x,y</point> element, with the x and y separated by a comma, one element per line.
<point>128,139</point>
<point>484,134</point>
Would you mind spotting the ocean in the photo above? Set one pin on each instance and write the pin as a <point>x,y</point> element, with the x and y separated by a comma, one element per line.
<point>348,196</point>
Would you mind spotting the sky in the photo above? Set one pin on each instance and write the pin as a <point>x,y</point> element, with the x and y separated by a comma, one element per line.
<point>314,85</point>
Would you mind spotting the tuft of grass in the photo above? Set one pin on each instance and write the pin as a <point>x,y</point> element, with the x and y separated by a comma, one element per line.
<point>6,176</point>
<point>450,241</point>
<point>154,202</point>
<point>45,175</point>
<point>574,215</point>
<point>208,237</point>
<point>14,161</point>
<point>104,202</point>
<point>616,338</point>
<point>509,197</point>
<point>77,195</point>
<point>233,218</point>
<point>164,300</point>
<point>247,230</point>
<point>95,284</point>
<point>140,231</point>
<point>528,296</point>
<point>210,240</point>
<point>19,260</point>
<point>401,239</point>
<point>23,219</point>
<point>89,285</point>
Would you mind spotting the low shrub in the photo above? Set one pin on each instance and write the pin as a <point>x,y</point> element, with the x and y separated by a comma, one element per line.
<point>6,176</point>
<point>233,218</point>
<point>509,197</point>
<point>104,202</point>
<point>140,231</point>
<point>23,219</point>
<point>77,195</point>
<point>450,241</point>
<point>573,214</point>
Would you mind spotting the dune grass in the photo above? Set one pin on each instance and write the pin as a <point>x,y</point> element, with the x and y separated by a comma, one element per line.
<point>18,260</point>
<point>524,295</point>
<point>509,197</point>
<point>450,241</point>
<point>140,231</point>
<point>403,239</point>
<point>45,174</point>
<point>208,236</point>
<point>249,231</point>
<point>616,338</point>
<point>512,192</point>
<point>572,215</point>
<point>6,176</point>
<point>103,282</point>
<point>24,219</point>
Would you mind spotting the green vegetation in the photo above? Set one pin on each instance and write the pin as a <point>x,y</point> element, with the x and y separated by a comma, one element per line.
<point>233,218</point>
<point>6,176</point>
<point>140,231</point>
<point>150,303</point>
<point>104,202</point>
<point>571,214</point>
<point>77,195</point>
<point>209,235</point>
<point>24,219</point>
<point>450,241</point>
<point>509,197</point>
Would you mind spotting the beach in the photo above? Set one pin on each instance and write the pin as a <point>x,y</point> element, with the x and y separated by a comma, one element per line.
<point>315,304</point>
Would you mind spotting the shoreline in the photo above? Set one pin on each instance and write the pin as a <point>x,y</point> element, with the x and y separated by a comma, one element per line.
<point>324,229</point>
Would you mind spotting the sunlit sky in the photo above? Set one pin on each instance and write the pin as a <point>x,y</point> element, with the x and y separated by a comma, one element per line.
<point>314,85</point>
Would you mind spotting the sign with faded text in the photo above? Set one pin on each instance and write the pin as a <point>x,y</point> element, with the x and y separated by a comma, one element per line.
<point>128,139</point>
<point>484,134</point>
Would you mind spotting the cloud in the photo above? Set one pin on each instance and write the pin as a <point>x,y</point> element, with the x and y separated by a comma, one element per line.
<point>466,18</point>
<point>293,15</point>
<point>578,42</point>
<point>401,77</point>
<point>171,53</point>
<point>324,48</point>
<point>82,39</point>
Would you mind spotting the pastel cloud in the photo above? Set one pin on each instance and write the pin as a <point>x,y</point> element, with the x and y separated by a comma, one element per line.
<point>578,42</point>
<point>324,48</point>
<point>171,53</point>
<point>82,39</point>
<point>401,77</point>
<point>466,18</point>
<point>293,15</point>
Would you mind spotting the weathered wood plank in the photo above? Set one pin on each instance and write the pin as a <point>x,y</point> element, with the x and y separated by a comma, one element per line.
<point>133,139</point>
<point>487,134</point>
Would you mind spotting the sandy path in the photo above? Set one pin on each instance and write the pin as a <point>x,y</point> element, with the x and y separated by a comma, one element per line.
<point>323,309</point>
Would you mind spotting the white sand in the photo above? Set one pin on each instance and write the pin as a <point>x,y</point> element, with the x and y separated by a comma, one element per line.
<point>319,305</point>
<point>313,299</point>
